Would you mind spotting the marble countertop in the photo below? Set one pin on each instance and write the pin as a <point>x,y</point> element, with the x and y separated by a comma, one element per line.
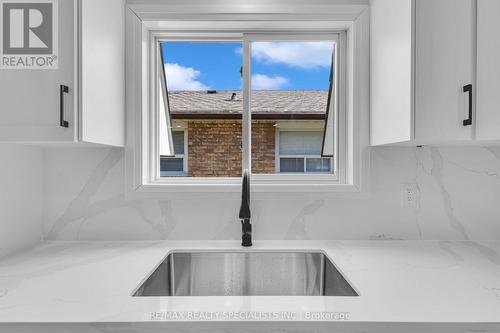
<point>398,281</point>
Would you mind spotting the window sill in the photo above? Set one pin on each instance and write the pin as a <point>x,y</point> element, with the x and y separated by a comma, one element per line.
<point>231,189</point>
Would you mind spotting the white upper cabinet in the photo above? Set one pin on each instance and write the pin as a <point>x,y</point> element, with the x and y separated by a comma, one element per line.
<point>488,70</point>
<point>80,100</point>
<point>444,65</point>
<point>30,99</point>
<point>423,60</point>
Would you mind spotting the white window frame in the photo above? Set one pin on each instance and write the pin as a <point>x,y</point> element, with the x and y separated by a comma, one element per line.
<point>304,157</point>
<point>184,157</point>
<point>145,26</point>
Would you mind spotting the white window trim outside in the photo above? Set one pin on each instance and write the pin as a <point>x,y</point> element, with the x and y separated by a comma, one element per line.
<point>184,157</point>
<point>143,27</point>
<point>305,157</point>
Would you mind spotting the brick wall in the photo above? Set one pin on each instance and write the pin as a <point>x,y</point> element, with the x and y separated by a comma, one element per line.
<point>263,147</point>
<point>214,148</point>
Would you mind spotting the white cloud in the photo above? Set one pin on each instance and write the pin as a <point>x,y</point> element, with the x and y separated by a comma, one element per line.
<point>264,82</point>
<point>306,55</point>
<point>183,78</point>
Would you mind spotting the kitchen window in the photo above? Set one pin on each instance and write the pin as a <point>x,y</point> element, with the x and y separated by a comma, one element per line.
<point>231,92</point>
<point>235,91</point>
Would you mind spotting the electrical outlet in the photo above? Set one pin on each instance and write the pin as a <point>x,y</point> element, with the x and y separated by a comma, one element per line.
<point>410,196</point>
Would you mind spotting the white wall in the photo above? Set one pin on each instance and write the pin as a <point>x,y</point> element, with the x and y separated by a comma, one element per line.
<point>459,191</point>
<point>21,182</point>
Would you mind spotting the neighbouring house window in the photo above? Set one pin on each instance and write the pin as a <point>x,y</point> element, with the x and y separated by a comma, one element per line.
<point>176,165</point>
<point>300,152</point>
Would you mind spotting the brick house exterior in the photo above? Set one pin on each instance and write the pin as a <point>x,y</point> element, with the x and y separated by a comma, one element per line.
<point>214,147</point>
<point>213,124</point>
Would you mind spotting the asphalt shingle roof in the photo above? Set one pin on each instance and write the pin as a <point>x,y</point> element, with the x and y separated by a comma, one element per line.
<point>263,101</point>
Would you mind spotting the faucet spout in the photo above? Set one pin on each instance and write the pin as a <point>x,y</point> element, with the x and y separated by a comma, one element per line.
<point>246,226</point>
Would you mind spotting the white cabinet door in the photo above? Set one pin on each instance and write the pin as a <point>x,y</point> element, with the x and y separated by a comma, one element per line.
<point>30,98</point>
<point>102,75</point>
<point>488,70</point>
<point>445,62</point>
<point>391,71</point>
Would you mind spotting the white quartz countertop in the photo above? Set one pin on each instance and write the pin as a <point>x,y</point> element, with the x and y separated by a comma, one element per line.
<point>398,281</point>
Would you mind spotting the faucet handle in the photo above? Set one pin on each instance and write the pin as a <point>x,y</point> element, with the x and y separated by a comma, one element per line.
<point>246,236</point>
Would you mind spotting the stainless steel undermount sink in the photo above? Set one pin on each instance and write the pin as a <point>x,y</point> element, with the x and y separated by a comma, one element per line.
<point>250,273</point>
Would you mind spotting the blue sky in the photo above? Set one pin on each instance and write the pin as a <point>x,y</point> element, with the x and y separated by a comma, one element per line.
<point>275,65</point>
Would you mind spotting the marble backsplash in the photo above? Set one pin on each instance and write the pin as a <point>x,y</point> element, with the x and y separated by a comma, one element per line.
<point>458,198</point>
<point>21,186</point>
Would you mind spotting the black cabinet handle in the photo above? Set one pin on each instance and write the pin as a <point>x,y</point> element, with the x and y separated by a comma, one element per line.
<point>468,121</point>
<point>62,90</point>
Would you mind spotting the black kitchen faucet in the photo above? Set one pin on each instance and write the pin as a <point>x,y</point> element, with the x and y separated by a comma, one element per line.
<point>246,227</point>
